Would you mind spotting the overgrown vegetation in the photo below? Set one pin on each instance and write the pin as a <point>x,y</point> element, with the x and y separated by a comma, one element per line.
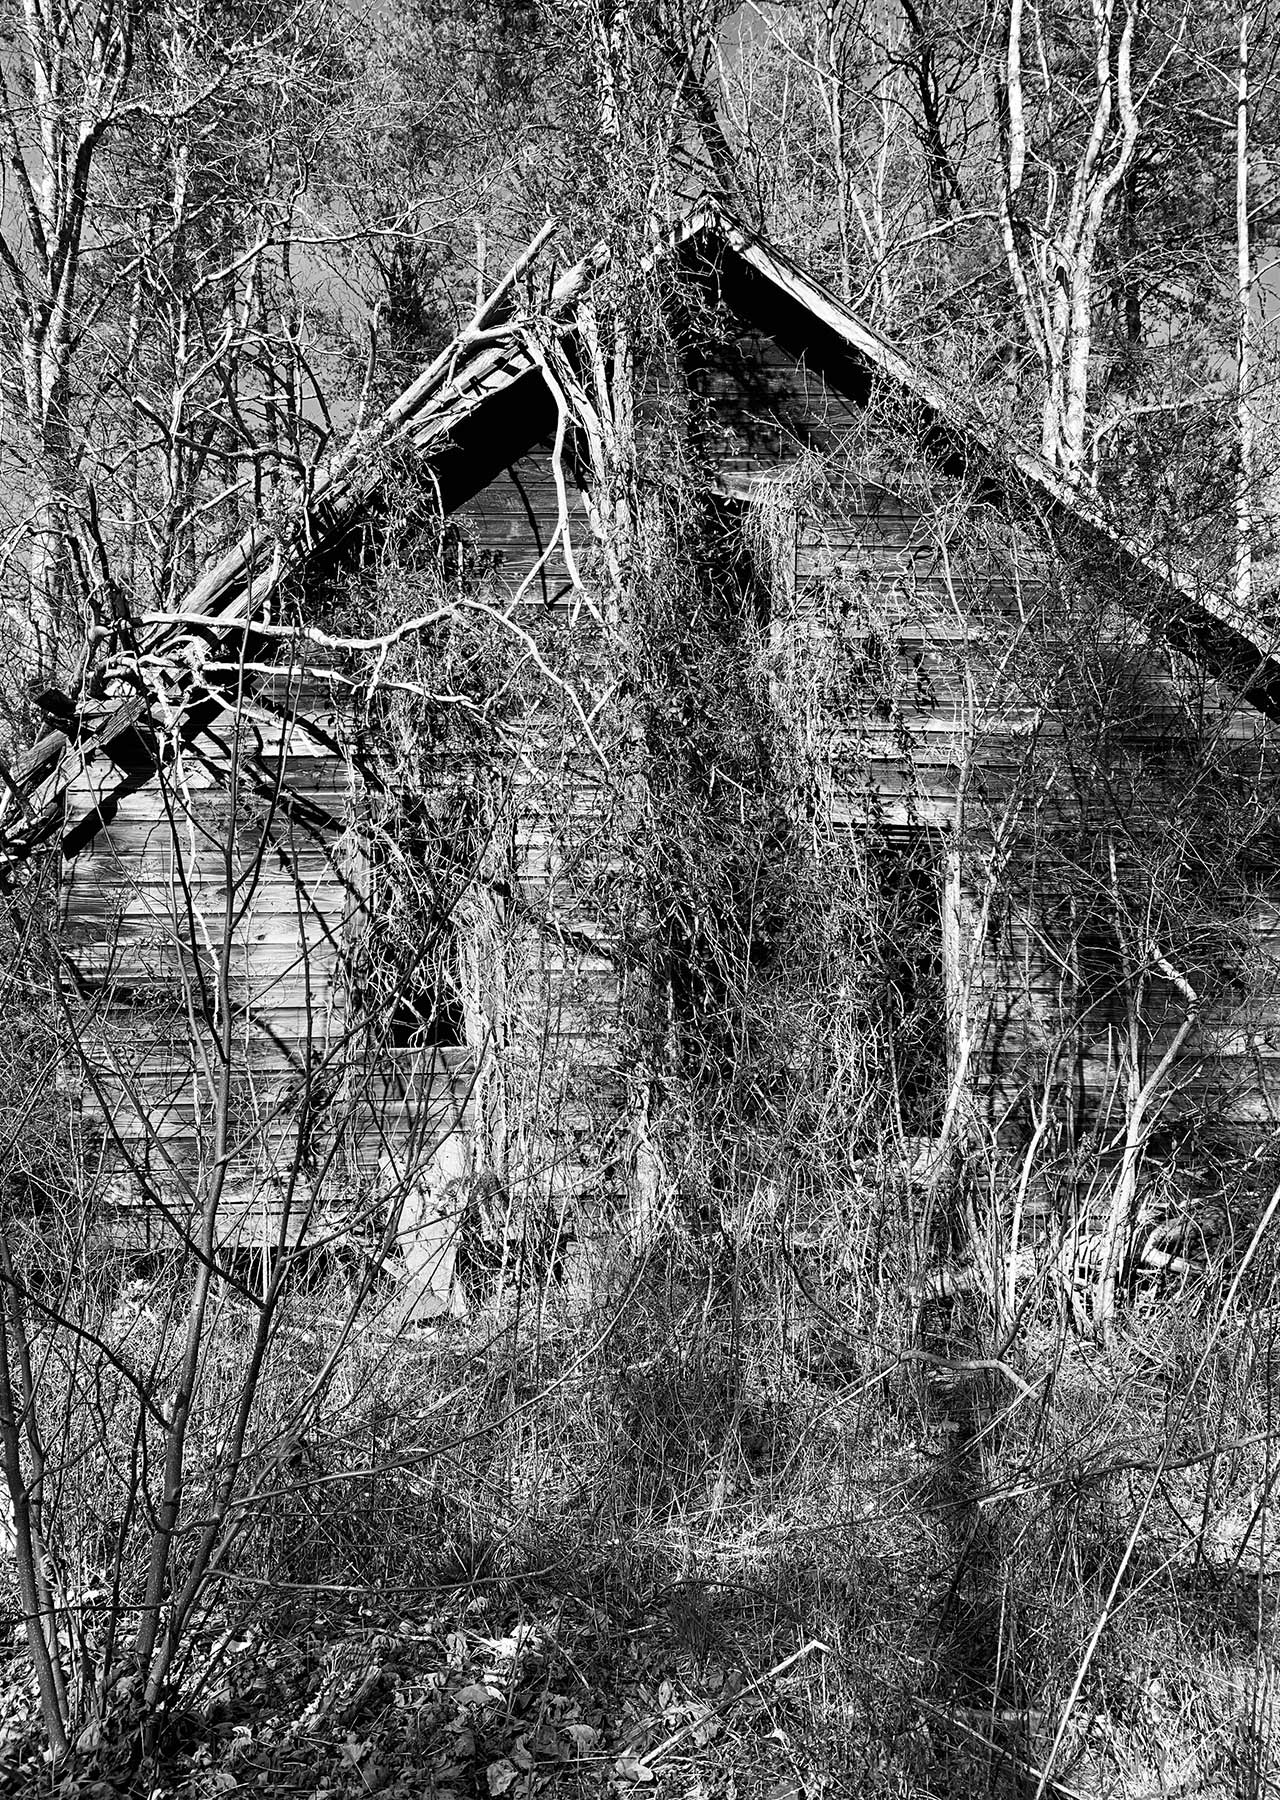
<point>756,1272</point>
<point>618,1524</point>
<point>755,1434</point>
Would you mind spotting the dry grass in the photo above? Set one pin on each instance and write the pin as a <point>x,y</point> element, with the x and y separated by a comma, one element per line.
<point>715,1471</point>
<point>735,1451</point>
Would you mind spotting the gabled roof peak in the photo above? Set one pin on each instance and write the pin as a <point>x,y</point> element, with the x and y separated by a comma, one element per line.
<point>486,360</point>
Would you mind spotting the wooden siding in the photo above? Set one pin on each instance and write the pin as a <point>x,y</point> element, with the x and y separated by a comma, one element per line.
<point>264,799</point>
<point>920,644</point>
<point>214,893</point>
<point>921,641</point>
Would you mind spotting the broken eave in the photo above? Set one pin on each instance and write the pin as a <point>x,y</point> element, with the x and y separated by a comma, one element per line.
<point>483,404</point>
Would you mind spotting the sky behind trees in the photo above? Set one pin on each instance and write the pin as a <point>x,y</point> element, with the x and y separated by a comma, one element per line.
<point>229,232</point>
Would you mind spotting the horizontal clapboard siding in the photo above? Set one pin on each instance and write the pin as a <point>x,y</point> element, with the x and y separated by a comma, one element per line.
<point>145,907</point>
<point>908,651</point>
<point>904,647</point>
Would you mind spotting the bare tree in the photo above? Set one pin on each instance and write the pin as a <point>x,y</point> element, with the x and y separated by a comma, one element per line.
<point>156,354</point>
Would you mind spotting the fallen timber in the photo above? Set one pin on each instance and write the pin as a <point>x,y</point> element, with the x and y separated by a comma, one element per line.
<point>133,725</point>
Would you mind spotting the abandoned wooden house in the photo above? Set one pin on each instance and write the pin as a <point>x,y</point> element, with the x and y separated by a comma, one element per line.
<point>333,916</point>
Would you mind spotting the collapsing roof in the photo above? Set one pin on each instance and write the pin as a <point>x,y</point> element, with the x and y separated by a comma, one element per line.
<point>483,403</point>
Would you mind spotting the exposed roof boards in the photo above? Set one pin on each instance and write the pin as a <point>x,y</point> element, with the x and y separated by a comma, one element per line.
<point>445,418</point>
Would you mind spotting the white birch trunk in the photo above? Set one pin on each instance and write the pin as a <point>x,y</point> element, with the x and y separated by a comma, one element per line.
<point>1244,349</point>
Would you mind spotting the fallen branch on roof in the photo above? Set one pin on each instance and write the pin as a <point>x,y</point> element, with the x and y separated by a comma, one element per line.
<point>312,634</point>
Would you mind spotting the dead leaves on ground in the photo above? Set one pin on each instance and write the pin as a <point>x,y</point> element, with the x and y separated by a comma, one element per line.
<point>434,1708</point>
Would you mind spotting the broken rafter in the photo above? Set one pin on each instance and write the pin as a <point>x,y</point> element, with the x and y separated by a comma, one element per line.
<point>488,358</point>
<point>232,596</point>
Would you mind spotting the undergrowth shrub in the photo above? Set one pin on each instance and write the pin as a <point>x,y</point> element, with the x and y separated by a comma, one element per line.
<point>807,1409</point>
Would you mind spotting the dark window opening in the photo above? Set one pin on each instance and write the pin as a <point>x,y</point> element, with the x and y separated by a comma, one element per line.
<point>908,879</point>
<point>430,1017</point>
<point>1099,973</point>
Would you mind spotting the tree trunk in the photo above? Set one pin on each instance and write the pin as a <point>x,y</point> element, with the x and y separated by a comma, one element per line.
<point>1244,351</point>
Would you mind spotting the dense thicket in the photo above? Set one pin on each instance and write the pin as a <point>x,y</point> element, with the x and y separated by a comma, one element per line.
<point>801,1394</point>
